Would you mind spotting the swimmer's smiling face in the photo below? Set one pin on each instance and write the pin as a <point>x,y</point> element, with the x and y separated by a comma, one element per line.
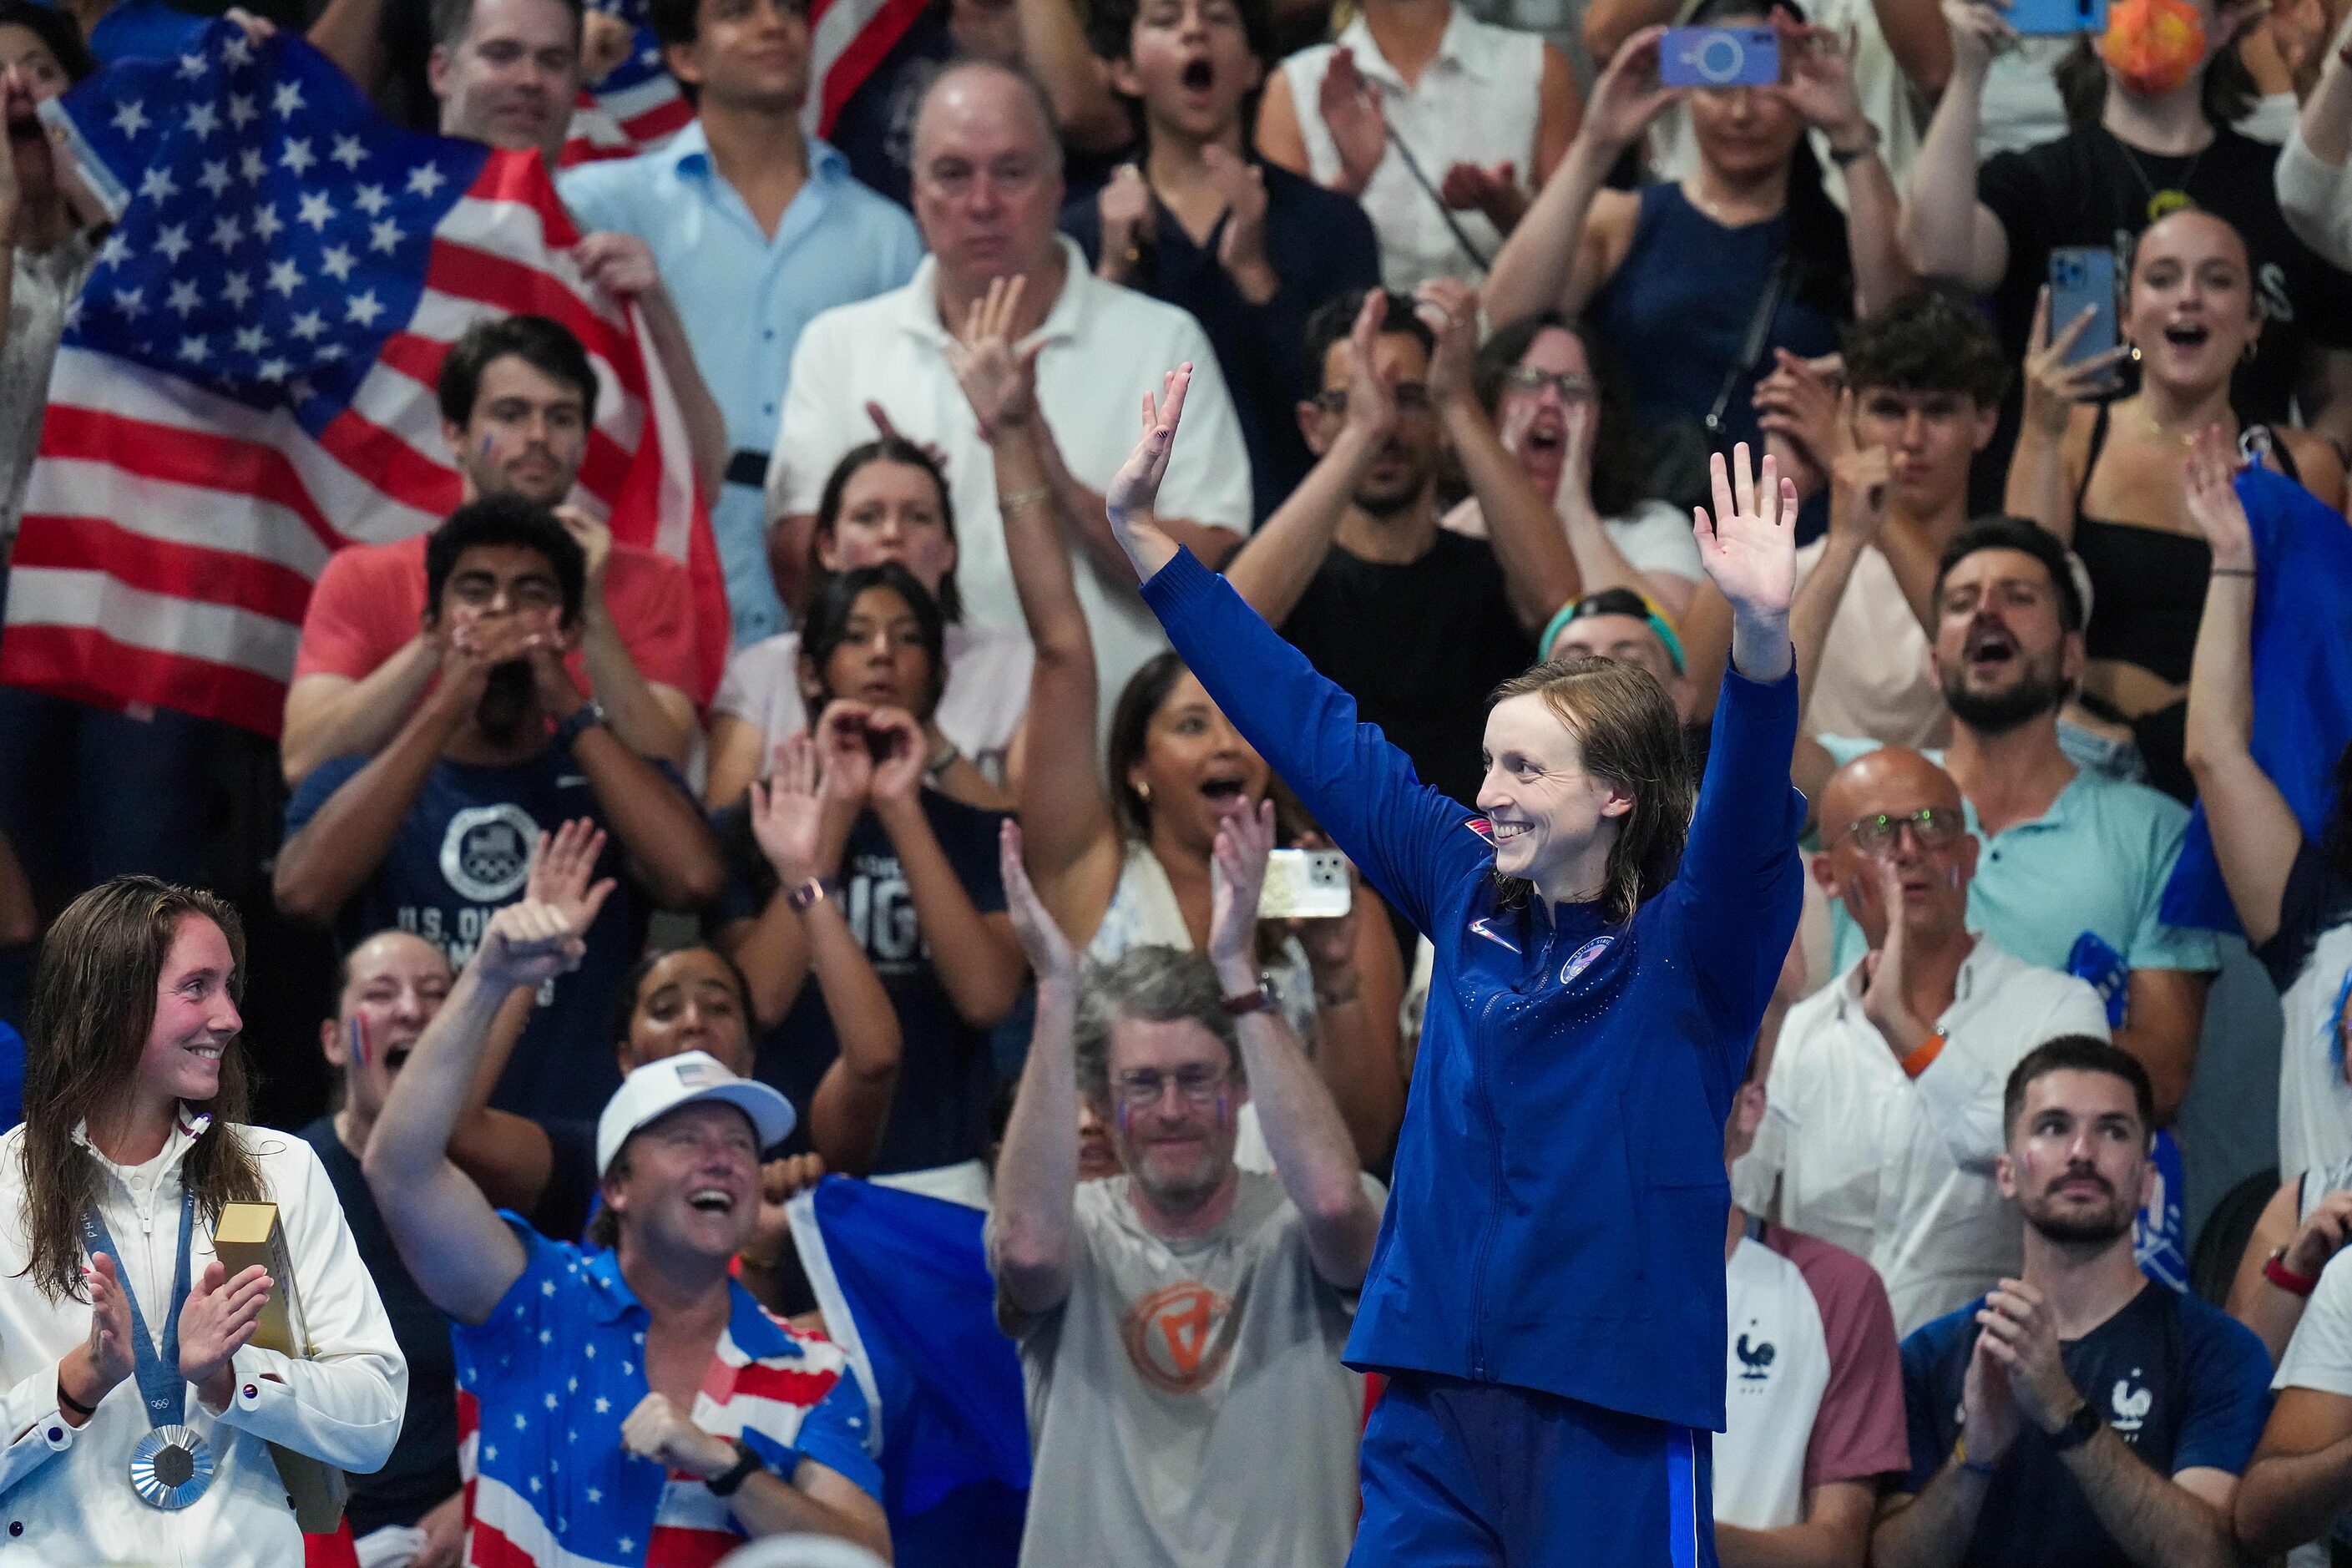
<point>1548,815</point>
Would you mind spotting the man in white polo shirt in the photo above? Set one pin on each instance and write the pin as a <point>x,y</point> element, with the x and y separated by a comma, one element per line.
<point>1886,1087</point>
<point>988,190</point>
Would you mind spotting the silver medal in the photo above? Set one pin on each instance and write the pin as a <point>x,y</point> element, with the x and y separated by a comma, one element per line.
<point>171,1469</point>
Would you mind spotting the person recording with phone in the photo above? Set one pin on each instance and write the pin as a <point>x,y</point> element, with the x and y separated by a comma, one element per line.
<point>2103,474</point>
<point>1693,283</point>
<point>2152,110</point>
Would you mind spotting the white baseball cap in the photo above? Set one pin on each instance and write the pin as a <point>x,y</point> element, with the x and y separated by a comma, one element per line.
<point>657,1089</point>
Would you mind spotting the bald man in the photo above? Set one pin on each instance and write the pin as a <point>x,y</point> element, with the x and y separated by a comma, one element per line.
<point>987,191</point>
<point>1885,1087</point>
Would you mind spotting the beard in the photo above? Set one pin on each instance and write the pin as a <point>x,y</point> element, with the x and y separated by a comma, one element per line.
<point>505,702</point>
<point>2035,692</point>
<point>2076,1227</point>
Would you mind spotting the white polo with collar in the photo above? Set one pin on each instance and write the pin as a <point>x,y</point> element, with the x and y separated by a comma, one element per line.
<point>1106,347</point>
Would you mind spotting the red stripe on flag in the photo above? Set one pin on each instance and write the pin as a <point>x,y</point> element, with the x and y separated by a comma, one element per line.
<point>520,177</point>
<point>677,1546</point>
<point>485,1548</point>
<point>165,567</point>
<point>663,120</point>
<point>517,288</point>
<point>204,459</point>
<point>858,58</point>
<point>87,665</point>
<point>786,1386</point>
<point>415,357</point>
<point>391,464</point>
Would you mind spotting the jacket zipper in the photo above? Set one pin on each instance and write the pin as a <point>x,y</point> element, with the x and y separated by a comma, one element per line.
<point>1494,1193</point>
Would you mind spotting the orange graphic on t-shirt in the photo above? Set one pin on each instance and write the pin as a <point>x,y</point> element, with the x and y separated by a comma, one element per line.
<point>1172,1337</point>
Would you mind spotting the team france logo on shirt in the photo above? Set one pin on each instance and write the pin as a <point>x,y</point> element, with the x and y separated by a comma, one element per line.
<point>1583,958</point>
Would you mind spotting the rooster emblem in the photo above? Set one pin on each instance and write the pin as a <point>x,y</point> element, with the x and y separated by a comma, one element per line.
<point>2131,1406</point>
<point>1755,1361</point>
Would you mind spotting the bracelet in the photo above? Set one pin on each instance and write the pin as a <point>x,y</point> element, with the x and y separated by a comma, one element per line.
<point>1923,1055</point>
<point>75,1406</point>
<point>2275,1270</point>
<point>814,891</point>
<point>1973,1467</point>
<point>1020,498</point>
<point>940,761</point>
<point>1841,156</point>
<point>2231,572</point>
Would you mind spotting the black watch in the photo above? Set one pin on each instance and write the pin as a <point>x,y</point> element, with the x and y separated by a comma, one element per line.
<point>747,1464</point>
<point>585,717</point>
<point>2080,1429</point>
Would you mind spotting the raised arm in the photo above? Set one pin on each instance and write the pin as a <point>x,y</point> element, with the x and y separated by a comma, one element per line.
<point>2304,1246</point>
<point>1821,89</point>
<point>1409,840</point>
<point>2041,478</point>
<point>1858,482</point>
<point>1033,1229</point>
<point>623,266</point>
<point>1313,1155</point>
<point>461,1253</point>
<point>2255,835</point>
<point>1556,259</point>
<point>329,716</point>
<point>2311,178</point>
<point>1947,232</point>
<point>1087,115</point>
<point>1539,569</point>
<point>656,721</point>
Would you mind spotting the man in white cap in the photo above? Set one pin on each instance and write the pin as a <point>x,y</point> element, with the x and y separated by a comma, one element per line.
<point>576,1366</point>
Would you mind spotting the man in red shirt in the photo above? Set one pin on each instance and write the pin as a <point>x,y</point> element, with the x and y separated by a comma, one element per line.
<point>518,403</point>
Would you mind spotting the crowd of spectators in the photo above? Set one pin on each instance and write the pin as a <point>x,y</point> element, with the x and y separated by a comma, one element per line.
<point>580,978</point>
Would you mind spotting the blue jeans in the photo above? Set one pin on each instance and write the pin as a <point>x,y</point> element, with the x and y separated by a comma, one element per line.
<point>1467,1474</point>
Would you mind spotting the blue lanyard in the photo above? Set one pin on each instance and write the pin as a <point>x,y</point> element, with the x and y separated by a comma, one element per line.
<point>160,1387</point>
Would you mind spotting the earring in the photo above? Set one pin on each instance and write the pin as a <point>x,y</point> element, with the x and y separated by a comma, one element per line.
<point>1144,792</point>
<point>2134,354</point>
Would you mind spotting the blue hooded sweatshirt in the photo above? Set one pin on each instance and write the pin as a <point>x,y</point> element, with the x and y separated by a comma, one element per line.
<point>1557,1217</point>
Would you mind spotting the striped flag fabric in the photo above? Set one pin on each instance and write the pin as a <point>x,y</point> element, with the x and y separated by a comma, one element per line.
<point>246,383</point>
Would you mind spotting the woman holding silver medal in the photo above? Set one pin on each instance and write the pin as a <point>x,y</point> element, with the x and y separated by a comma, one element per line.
<point>133,1411</point>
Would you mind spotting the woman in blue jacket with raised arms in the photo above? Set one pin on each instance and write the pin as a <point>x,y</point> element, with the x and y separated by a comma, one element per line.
<point>1548,1291</point>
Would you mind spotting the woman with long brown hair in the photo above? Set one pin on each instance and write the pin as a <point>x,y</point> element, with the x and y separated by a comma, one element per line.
<point>109,1192</point>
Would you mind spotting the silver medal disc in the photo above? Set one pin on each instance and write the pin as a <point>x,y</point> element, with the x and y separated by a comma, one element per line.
<point>171,1468</point>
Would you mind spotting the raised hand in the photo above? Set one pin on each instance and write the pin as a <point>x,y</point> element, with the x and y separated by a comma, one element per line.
<point>621,265</point>
<point>1372,395</point>
<point>1135,489</point>
<point>898,772</point>
<point>2209,482</point>
<point>1492,189</point>
<point>562,867</point>
<point>1241,249</point>
<point>109,1352</point>
<point>2053,386</point>
<point>1883,970</point>
<point>595,542</point>
<point>1129,218</point>
<point>1799,402</point>
<point>1626,97</point>
<point>1449,308</point>
<point>1236,876</point>
<point>218,1320</point>
<point>1860,477</point>
<point>1350,107</point>
<point>1749,547</point>
<point>781,1181</point>
<point>2321,1235</point>
<point>1979,32</point>
<point>801,834</point>
<point>527,944</point>
<point>999,379</point>
<point>1820,80</point>
<point>660,1431</point>
<point>606,39</point>
<point>2021,1333</point>
<point>1989,1417</point>
<point>1052,959</point>
<point>844,759</point>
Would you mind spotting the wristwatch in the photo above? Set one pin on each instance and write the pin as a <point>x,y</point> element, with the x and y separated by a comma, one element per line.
<point>2080,1429</point>
<point>583,718</point>
<point>799,899</point>
<point>747,1464</point>
<point>1262,1000</point>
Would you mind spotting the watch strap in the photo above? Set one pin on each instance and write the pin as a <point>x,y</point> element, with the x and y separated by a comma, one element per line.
<point>747,1464</point>
<point>2079,1429</point>
<point>1262,1000</point>
<point>579,720</point>
<point>814,890</point>
<point>2275,1270</point>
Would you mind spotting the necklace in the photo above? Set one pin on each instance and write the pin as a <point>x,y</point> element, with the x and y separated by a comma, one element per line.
<point>2172,198</point>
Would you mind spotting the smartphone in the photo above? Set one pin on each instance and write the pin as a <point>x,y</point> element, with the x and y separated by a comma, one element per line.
<point>1719,56</point>
<point>2056,18</point>
<point>2081,277</point>
<point>1305,885</point>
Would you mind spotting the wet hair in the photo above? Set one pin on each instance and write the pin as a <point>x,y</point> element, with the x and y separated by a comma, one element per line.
<point>2027,537</point>
<point>450,19</point>
<point>505,519</point>
<point>1620,473</point>
<point>827,625</point>
<point>2078,1053</point>
<point>1334,318</point>
<point>58,33</point>
<point>2226,94</point>
<point>1821,270</point>
<point>885,450</point>
<point>548,346</point>
<point>1933,340</point>
<point>1625,726</point>
<point>624,1000</point>
<point>1149,984</point>
<point>1110,28</point>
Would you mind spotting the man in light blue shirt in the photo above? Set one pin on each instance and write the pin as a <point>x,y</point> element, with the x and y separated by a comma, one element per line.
<point>757,226</point>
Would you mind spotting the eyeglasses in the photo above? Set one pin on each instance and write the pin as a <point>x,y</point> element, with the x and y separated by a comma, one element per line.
<point>1196,1087</point>
<point>1932,828</point>
<point>1410,396</point>
<point>1571,388</point>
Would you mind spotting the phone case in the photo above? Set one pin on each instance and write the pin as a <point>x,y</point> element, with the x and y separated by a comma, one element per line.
<point>1305,884</point>
<point>2080,277</point>
<point>2057,18</point>
<point>1719,56</point>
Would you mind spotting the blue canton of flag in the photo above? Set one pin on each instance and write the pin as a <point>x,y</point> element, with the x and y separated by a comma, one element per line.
<point>272,231</point>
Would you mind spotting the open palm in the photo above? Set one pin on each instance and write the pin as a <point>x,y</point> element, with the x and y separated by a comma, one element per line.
<point>1750,545</point>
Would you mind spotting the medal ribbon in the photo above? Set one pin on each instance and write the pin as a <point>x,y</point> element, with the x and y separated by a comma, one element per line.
<point>160,1387</point>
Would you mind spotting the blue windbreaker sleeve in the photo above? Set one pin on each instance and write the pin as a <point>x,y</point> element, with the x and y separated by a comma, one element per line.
<point>1740,888</point>
<point>1412,842</point>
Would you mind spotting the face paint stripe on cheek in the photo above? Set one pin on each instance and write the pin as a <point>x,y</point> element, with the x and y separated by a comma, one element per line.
<point>360,1049</point>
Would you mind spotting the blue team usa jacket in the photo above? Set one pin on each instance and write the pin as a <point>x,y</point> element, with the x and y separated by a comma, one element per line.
<point>1557,1217</point>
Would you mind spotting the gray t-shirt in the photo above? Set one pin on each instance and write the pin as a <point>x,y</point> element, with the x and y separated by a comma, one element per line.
<point>1187,1407</point>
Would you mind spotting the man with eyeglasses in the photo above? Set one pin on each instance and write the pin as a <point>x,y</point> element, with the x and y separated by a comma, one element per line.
<point>1415,622</point>
<point>2073,862</point>
<point>1886,1085</point>
<point>1181,1325</point>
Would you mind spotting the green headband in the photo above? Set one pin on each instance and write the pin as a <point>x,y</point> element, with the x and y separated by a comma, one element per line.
<point>1592,604</point>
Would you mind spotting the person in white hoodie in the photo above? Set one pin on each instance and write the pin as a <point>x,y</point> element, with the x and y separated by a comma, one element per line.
<point>137,1414</point>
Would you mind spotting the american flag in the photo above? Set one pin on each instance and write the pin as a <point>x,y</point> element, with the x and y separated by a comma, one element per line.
<point>247,381</point>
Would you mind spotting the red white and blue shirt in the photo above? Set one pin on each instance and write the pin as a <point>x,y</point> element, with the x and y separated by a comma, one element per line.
<point>545,1381</point>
